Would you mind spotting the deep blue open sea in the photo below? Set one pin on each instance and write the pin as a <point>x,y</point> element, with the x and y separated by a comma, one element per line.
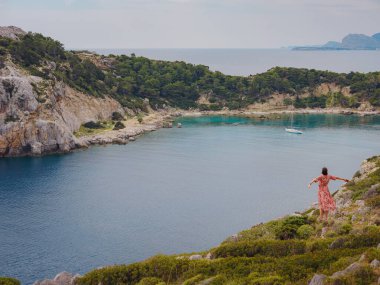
<point>171,191</point>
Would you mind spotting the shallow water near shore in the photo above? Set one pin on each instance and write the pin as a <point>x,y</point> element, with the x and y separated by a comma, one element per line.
<point>174,190</point>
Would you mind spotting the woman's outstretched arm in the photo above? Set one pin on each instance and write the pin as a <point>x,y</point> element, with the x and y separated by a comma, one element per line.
<point>312,181</point>
<point>343,179</point>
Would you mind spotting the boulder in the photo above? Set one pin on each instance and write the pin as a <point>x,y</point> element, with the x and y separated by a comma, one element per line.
<point>362,258</point>
<point>195,257</point>
<point>206,281</point>
<point>373,191</point>
<point>318,279</point>
<point>360,203</point>
<point>11,32</point>
<point>338,243</point>
<point>324,231</point>
<point>375,263</point>
<point>63,278</point>
<point>343,199</point>
<point>350,269</point>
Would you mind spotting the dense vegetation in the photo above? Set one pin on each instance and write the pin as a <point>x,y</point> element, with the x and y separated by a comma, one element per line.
<point>284,251</point>
<point>9,281</point>
<point>130,79</point>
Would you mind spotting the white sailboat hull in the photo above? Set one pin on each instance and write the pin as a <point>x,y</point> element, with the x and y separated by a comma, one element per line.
<point>294,131</point>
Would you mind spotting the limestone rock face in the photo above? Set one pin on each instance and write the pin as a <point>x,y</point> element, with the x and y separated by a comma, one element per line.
<point>375,263</point>
<point>39,116</point>
<point>195,257</point>
<point>317,279</point>
<point>11,32</point>
<point>350,269</point>
<point>63,278</point>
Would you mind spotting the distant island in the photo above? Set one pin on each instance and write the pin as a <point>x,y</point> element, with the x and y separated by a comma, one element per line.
<point>349,42</point>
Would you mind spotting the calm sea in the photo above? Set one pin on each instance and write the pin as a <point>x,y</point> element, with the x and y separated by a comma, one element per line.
<point>171,191</point>
<point>252,61</point>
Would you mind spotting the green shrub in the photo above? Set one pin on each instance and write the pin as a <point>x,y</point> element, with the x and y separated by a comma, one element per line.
<point>319,244</point>
<point>149,281</point>
<point>119,126</point>
<point>363,240</point>
<point>9,281</point>
<point>276,248</point>
<point>336,100</point>
<point>287,102</point>
<point>362,276</point>
<point>193,280</point>
<point>289,227</point>
<point>116,116</point>
<point>344,229</point>
<point>93,125</point>
<point>218,280</point>
<point>266,280</point>
<point>3,51</point>
<point>11,119</point>
<point>305,231</point>
<point>373,202</point>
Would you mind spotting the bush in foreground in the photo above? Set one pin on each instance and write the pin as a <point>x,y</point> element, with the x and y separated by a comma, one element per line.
<point>9,281</point>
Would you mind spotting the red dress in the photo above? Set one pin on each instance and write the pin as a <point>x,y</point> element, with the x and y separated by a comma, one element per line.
<point>326,201</point>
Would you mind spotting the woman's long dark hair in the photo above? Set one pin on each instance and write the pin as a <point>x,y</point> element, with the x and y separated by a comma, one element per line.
<point>325,171</point>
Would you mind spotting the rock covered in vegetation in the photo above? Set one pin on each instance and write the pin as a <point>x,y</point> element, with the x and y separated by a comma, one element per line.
<point>350,269</point>
<point>39,116</point>
<point>9,281</point>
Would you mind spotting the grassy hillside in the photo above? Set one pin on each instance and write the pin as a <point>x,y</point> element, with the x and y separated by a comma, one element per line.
<point>289,250</point>
<point>130,79</point>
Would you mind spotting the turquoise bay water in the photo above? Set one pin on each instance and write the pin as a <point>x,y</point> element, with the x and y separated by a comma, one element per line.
<point>172,191</point>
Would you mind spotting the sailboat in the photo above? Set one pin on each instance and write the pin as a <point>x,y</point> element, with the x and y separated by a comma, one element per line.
<point>293,130</point>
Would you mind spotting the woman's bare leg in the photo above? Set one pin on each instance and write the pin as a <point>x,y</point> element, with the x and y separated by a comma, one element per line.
<point>326,216</point>
<point>321,212</point>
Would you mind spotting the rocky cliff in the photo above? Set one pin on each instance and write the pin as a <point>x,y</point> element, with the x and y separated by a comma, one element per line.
<point>39,116</point>
<point>47,92</point>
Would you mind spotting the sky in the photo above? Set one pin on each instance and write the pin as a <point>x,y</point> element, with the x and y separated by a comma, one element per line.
<point>192,23</point>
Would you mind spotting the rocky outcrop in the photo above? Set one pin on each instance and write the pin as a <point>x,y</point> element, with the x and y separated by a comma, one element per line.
<point>350,269</point>
<point>63,278</point>
<point>11,32</point>
<point>318,279</point>
<point>38,116</point>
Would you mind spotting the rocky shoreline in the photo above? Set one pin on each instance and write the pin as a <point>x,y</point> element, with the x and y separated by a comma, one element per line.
<point>153,121</point>
<point>132,130</point>
<point>164,118</point>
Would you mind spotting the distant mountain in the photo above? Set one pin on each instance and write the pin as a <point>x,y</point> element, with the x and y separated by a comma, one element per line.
<point>349,42</point>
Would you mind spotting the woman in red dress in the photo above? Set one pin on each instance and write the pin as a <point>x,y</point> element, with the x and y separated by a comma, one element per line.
<point>325,200</point>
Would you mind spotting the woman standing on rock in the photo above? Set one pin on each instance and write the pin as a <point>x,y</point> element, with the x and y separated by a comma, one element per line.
<point>325,200</point>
